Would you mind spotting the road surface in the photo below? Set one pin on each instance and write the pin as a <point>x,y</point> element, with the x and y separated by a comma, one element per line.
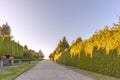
<point>48,70</point>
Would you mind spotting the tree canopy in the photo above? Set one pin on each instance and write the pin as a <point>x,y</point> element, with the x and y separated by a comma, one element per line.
<point>5,30</point>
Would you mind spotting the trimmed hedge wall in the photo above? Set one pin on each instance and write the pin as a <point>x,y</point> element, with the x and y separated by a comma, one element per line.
<point>10,47</point>
<point>100,62</point>
<point>100,53</point>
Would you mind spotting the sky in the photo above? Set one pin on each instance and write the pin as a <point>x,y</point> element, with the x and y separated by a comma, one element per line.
<point>41,24</point>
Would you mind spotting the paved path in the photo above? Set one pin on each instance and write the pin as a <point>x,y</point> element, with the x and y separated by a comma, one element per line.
<point>48,70</point>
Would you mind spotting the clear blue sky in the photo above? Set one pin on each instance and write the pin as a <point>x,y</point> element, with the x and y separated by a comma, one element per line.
<point>40,24</point>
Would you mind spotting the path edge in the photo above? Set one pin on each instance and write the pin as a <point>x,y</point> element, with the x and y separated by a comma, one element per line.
<point>23,72</point>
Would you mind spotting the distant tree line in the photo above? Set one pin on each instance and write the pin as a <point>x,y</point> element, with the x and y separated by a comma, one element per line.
<point>100,53</point>
<point>31,54</point>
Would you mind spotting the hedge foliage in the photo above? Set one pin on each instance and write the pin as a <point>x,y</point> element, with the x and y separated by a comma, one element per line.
<point>100,53</point>
<point>10,47</point>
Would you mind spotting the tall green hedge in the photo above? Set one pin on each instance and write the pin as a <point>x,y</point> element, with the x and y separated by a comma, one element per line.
<point>100,53</point>
<point>10,47</point>
<point>101,63</point>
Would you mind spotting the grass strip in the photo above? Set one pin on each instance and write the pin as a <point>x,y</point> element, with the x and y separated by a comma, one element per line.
<point>16,71</point>
<point>92,74</point>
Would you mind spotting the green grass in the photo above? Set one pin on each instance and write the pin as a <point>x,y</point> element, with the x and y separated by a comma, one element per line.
<point>97,75</point>
<point>15,71</point>
<point>92,74</point>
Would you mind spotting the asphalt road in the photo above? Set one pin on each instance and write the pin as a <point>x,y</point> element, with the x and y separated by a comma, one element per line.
<point>48,70</point>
